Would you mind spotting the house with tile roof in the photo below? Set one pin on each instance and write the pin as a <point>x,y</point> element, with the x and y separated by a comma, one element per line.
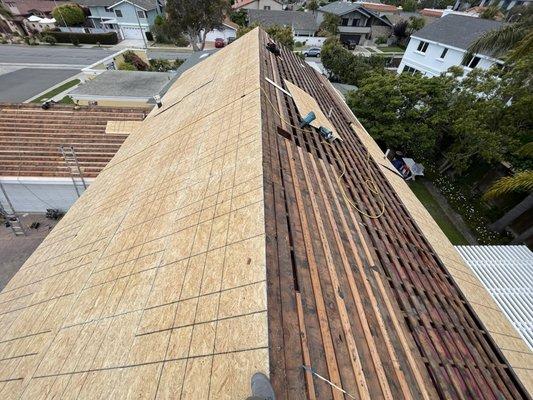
<point>226,238</point>
<point>435,48</point>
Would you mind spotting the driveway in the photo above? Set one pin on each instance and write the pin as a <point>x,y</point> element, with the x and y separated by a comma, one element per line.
<point>25,83</point>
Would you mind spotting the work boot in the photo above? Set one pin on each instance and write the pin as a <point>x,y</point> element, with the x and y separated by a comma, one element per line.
<point>261,388</point>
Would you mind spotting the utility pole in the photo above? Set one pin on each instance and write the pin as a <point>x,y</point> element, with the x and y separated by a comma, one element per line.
<point>139,22</point>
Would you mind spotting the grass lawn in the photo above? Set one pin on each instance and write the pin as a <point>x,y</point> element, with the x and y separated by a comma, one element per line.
<point>392,49</point>
<point>437,213</point>
<point>56,91</point>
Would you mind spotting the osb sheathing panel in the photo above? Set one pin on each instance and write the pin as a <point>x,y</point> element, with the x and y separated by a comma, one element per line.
<point>506,337</point>
<point>121,127</point>
<point>153,284</point>
<point>306,103</point>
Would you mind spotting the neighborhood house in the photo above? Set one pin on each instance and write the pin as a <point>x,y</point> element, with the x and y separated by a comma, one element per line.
<point>358,25</point>
<point>444,43</point>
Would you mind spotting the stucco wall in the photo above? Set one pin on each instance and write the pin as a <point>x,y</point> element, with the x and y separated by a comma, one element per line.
<point>35,195</point>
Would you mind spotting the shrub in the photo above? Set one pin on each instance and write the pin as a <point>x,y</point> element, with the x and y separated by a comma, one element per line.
<point>138,63</point>
<point>160,65</point>
<point>75,41</point>
<point>85,38</point>
<point>49,39</point>
<point>125,66</point>
<point>381,40</point>
<point>178,62</point>
<point>298,44</point>
<point>70,14</point>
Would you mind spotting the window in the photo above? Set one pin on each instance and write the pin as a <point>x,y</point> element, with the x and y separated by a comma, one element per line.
<point>422,46</point>
<point>355,22</point>
<point>118,13</point>
<point>443,54</point>
<point>471,61</point>
<point>141,14</point>
<point>266,8</point>
<point>411,70</point>
<point>344,22</point>
<point>107,9</point>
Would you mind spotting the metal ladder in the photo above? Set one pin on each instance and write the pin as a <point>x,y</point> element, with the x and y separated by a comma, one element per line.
<point>73,166</point>
<point>10,215</point>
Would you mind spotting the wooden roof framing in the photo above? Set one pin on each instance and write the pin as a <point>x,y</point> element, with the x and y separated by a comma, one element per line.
<point>219,242</point>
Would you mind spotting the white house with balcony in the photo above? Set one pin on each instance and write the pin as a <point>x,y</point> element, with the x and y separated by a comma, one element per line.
<point>444,43</point>
<point>131,19</point>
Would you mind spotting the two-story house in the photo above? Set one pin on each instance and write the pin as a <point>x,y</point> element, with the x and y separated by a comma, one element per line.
<point>443,44</point>
<point>131,19</point>
<point>357,23</point>
<point>258,5</point>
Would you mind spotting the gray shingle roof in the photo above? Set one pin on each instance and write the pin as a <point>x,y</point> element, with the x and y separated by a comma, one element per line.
<point>146,4</point>
<point>339,7</point>
<point>457,30</point>
<point>298,19</point>
<point>125,83</point>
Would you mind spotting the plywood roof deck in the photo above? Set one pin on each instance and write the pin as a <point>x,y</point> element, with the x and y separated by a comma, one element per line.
<point>153,284</point>
<point>217,243</point>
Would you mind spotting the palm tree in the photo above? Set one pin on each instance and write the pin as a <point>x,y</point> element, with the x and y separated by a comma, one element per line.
<point>519,182</point>
<point>515,37</point>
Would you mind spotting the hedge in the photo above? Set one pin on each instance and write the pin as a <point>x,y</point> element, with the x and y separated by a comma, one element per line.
<point>85,38</point>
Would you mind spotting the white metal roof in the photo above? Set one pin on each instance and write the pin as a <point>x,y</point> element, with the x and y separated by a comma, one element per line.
<point>507,273</point>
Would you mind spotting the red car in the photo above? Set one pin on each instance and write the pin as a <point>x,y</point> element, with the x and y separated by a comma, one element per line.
<point>219,43</point>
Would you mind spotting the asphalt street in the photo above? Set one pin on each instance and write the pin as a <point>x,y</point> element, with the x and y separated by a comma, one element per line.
<point>27,71</point>
<point>24,83</point>
<point>66,57</point>
<point>51,56</point>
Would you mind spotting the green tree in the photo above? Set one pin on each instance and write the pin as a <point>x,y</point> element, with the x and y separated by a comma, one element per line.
<point>490,12</point>
<point>416,23</point>
<point>281,34</point>
<point>409,5</point>
<point>405,112</point>
<point>239,17</point>
<point>330,25</point>
<point>196,17</point>
<point>166,32</point>
<point>345,67</point>
<point>69,14</point>
<point>521,182</point>
<point>515,37</point>
<point>312,5</point>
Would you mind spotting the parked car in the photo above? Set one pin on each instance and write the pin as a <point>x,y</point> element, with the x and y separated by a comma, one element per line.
<point>219,43</point>
<point>350,44</point>
<point>312,52</point>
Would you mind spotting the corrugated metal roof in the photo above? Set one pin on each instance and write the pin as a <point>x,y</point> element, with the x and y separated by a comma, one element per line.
<point>507,273</point>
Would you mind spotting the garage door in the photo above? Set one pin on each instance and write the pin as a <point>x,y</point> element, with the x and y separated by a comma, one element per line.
<point>132,33</point>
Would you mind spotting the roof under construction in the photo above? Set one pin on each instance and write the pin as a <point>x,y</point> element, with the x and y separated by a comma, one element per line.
<point>223,239</point>
<point>30,138</point>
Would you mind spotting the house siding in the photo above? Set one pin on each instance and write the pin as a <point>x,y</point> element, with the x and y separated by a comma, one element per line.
<point>261,4</point>
<point>430,63</point>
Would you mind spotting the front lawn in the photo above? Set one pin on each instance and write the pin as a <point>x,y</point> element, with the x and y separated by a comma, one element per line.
<point>437,213</point>
<point>56,91</point>
<point>391,49</point>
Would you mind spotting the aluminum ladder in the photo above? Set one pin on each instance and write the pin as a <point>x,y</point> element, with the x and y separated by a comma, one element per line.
<point>10,215</point>
<point>71,160</point>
